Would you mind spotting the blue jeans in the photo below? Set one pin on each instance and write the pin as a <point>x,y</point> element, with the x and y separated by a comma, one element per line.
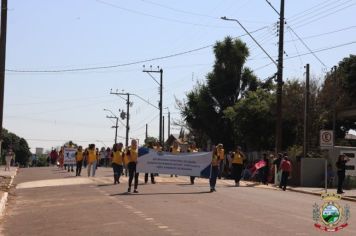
<point>117,170</point>
<point>213,175</point>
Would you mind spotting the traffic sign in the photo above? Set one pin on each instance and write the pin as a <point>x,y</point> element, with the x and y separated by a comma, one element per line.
<point>326,138</point>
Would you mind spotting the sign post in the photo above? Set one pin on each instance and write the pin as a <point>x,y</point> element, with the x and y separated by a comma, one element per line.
<point>326,138</point>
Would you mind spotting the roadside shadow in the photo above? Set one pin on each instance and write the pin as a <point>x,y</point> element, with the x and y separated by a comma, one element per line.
<point>70,176</point>
<point>104,185</point>
<point>155,194</point>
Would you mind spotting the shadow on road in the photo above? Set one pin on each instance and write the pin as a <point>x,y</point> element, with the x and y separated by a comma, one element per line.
<point>153,194</point>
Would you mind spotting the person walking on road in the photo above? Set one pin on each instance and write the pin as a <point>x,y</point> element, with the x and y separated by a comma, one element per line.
<point>79,160</point>
<point>61,158</point>
<point>92,159</point>
<point>286,168</point>
<point>192,149</point>
<point>238,158</point>
<point>341,169</point>
<point>10,155</point>
<point>117,161</point>
<point>132,155</point>
<point>214,169</point>
<point>221,155</point>
<point>175,149</point>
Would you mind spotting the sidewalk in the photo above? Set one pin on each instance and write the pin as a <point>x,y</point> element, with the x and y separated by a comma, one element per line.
<point>6,179</point>
<point>349,195</point>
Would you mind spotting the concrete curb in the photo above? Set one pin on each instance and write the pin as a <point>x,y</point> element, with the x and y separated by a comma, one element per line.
<point>318,194</point>
<point>5,195</point>
<point>303,191</point>
<point>3,202</point>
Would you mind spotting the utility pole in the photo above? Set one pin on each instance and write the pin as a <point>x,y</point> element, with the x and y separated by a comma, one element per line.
<point>2,61</point>
<point>146,131</point>
<point>163,130</point>
<point>334,102</point>
<point>115,126</point>
<point>160,71</point>
<point>280,80</point>
<point>306,111</point>
<point>127,114</point>
<point>169,124</point>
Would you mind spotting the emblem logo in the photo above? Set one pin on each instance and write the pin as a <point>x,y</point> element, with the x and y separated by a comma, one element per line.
<point>330,217</point>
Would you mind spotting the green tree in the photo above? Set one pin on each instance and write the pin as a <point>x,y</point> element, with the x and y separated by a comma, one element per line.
<point>253,120</point>
<point>339,87</point>
<point>19,146</point>
<point>230,80</point>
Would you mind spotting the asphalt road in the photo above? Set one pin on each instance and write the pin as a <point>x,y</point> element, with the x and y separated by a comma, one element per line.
<point>52,202</point>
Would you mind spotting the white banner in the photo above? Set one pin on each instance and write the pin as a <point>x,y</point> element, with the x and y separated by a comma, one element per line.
<point>186,164</point>
<point>69,156</point>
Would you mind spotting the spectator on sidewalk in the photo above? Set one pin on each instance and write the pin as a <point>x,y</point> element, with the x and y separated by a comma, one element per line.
<point>286,168</point>
<point>265,170</point>
<point>277,165</point>
<point>10,155</point>
<point>341,169</point>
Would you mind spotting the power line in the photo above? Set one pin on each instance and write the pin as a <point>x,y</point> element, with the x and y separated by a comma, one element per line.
<point>322,34</point>
<point>124,64</point>
<point>313,53</point>
<point>157,17</point>
<point>312,20</point>
<point>189,12</point>
<point>311,9</point>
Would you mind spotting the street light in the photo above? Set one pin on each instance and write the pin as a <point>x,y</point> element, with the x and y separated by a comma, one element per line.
<point>117,120</point>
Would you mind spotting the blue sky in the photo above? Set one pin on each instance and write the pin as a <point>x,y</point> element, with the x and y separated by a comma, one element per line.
<point>49,108</point>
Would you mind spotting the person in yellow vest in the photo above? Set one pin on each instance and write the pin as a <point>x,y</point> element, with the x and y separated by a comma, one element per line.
<point>132,155</point>
<point>79,160</point>
<point>238,158</point>
<point>192,149</point>
<point>221,155</point>
<point>92,159</point>
<point>175,150</point>
<point>117,156</point>
<point>215,161</point>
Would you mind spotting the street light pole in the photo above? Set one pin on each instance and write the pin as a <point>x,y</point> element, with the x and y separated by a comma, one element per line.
<point>117,122</point>
<point>127,114</point>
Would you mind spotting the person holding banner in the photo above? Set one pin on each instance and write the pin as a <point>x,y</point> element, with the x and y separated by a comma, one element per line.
<point>214,169</point>
<point>79,160</point>
<point>132,155</point>
<point>175,150</point>
<point>117,161</point>
<point>192,149</point>
<point>238,158</point>
<point>91,159</point>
